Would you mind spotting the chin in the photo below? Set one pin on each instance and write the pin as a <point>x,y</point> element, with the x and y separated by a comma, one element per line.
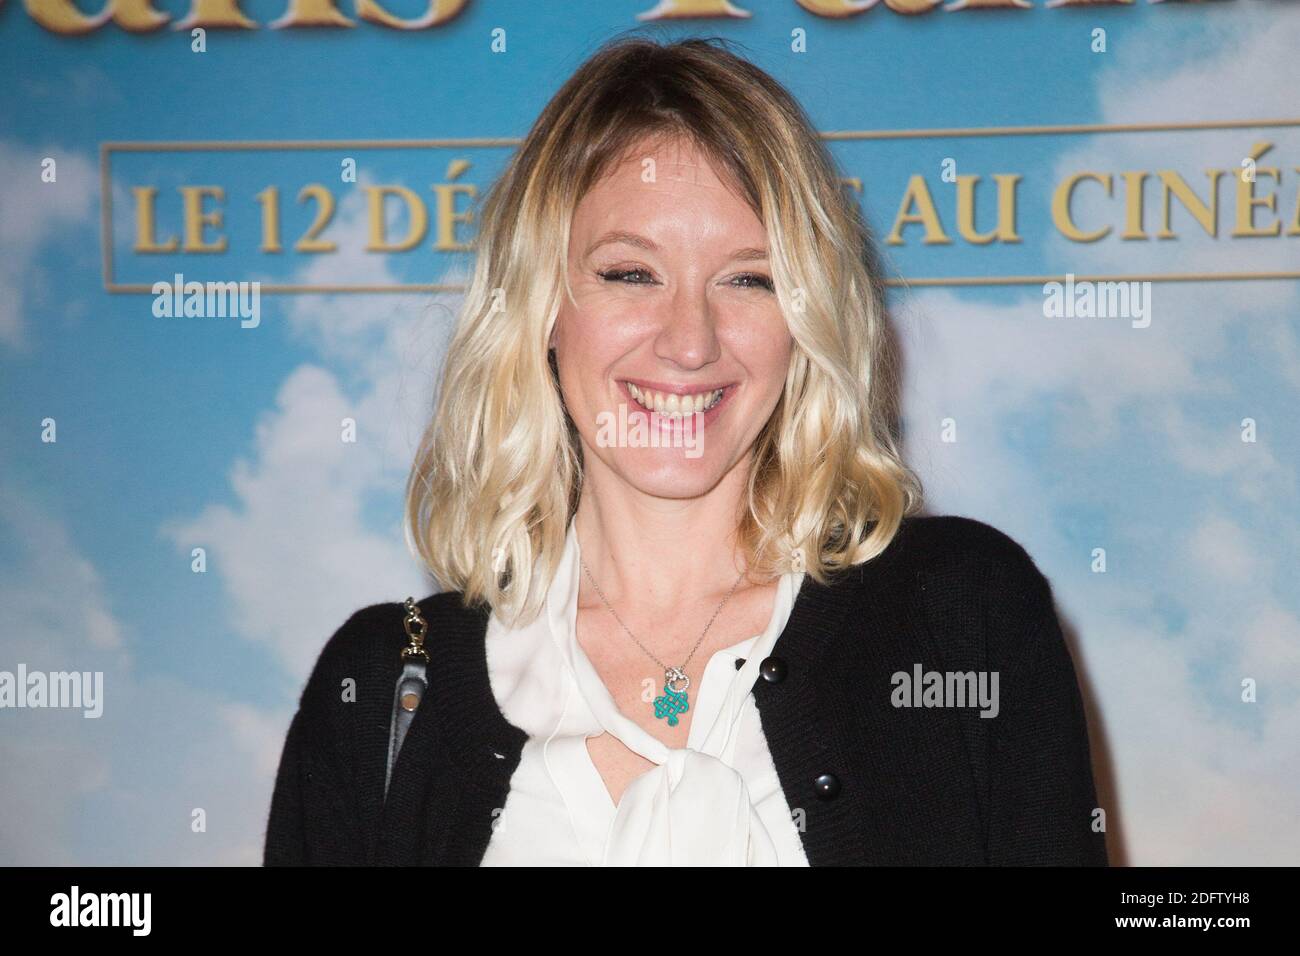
<point>668,473</point>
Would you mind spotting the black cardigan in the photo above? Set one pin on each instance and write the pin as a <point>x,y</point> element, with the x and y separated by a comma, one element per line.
<point>878,783</point>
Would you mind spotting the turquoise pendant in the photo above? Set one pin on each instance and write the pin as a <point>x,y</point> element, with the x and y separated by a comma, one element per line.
<point>670,705</point>
<point>673,702</point>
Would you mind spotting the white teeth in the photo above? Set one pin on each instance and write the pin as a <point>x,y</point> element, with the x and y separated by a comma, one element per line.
<point>673,405</point>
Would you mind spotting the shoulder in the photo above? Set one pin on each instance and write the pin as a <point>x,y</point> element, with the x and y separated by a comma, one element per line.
<point>973,588</point>
<point>960,540</point>
<point>968,554</point>
<point>368,644</point>
<point>345,707</point>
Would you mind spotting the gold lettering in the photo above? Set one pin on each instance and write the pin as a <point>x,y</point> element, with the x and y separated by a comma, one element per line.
<point>1294,229</point>
<point>1206,215</point>
<point>196,219</point>
<point>1134,202</point>
<point>62,16</point>
<point>312,13</point>
<point>687,9</point>
<point>216,14</point>
<point>447,215</point>
<point>918,194</point>
<point>1064,219</point>
<point>270,200</point>
<point>912,7</point>
<point>145,226</point>
<point>311,241</point>
<point>1247,200</point>
<point>986,5</point>
<point>376,197</point>
<point>837,9</point>
<point>1006,228</point>
<point>440,11</point>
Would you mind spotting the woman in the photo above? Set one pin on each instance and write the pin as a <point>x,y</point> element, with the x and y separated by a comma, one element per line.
<point>691,617</point>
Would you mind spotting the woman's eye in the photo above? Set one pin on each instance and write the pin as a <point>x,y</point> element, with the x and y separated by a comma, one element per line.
<point>754,280</point>
<point>630,276</point>
<point>748,280</point>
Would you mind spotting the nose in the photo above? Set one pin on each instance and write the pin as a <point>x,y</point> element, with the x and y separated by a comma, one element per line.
<point>688,335</point>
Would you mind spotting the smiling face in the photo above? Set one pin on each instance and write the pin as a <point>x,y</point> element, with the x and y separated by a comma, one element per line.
<point>673,309</point>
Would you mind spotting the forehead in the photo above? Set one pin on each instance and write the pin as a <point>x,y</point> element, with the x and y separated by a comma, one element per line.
<point>673,158</point>
<point>660,176</point>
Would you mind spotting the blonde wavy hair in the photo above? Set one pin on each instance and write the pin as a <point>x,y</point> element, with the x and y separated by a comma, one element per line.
<point>498,472</point>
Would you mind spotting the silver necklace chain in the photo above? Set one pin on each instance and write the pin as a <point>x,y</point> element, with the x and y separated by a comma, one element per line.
<point>667,670</point>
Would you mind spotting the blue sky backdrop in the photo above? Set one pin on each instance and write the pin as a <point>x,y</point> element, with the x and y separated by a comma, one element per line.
<point>182,433</point>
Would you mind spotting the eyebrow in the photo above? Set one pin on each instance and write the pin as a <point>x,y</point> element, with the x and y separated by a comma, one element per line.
<point>748,253</point>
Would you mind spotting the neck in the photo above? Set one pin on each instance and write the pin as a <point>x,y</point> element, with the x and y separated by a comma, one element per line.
<point>659,551</point>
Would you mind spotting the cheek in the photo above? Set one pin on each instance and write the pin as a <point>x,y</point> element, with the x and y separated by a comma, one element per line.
<point>594,334</point>
<point>763,345</point>
<point>587,343</point>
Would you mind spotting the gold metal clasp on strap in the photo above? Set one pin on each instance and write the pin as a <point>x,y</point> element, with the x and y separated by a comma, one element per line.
<point>416,628</point>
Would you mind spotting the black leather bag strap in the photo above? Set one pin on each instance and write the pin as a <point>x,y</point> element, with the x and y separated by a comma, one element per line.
<point>412,684</point>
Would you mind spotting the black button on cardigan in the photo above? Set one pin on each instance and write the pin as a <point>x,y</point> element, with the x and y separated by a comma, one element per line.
<point>772,670</point>
<point>827,786</point>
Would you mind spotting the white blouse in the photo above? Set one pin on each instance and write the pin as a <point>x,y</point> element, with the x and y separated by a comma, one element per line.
<point>715,802</point>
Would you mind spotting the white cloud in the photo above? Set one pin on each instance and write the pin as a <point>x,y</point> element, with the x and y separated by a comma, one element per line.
<point>55,573</point>
<point>1238,71</point>
<point>118,789</point>
<point>1222,548</point>
<point>297,552</point>
<point>34,213</point>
